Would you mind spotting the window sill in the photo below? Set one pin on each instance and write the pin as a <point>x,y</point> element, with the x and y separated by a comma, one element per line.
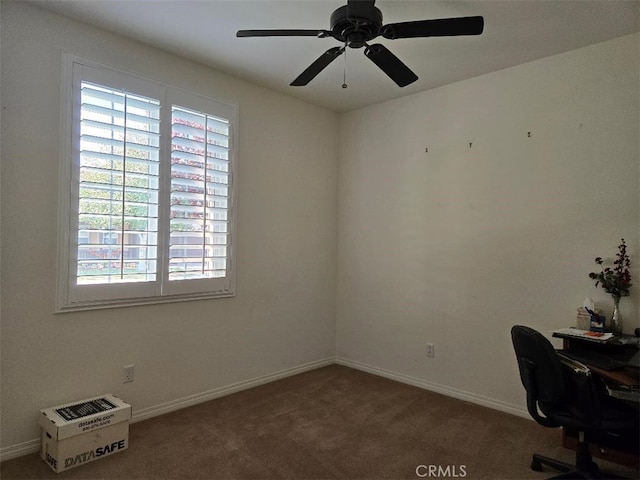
<point>134,302</point>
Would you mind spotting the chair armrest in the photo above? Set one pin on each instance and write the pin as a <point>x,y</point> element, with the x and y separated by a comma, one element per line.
<point>574,364</point>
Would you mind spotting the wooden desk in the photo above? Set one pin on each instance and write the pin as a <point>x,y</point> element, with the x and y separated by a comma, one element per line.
<point>622,376</point>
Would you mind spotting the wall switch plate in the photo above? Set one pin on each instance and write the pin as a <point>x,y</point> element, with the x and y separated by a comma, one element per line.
<point>127,374</point>
<point>431,350</point>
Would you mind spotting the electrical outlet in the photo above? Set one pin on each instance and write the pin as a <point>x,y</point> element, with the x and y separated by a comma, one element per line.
<point>127,374</point>
<point>431,350</point>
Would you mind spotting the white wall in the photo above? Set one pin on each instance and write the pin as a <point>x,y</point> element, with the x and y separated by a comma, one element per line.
<point>452,246</point>
<point>283,316</point>
<point>491,227</point>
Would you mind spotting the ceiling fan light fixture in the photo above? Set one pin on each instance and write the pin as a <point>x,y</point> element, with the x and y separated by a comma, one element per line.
<point>360,21</point>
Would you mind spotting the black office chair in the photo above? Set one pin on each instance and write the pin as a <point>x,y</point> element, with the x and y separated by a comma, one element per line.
<point>567,395</point>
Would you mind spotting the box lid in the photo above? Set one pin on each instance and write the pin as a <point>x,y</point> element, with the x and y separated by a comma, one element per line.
<point>63,421</point>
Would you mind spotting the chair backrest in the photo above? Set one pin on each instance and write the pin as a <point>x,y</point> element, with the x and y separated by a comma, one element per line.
<point>540,369</point>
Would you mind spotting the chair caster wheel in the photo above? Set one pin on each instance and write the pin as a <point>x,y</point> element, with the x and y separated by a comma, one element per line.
<point>536,466</point>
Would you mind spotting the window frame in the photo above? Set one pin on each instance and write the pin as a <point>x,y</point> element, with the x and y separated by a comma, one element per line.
<point>69,295</point>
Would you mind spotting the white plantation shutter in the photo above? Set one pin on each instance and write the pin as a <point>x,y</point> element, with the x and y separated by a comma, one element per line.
<point>147,176</point>
<point>200,242</point>
<point>199,195</point>
<point>118,187</point>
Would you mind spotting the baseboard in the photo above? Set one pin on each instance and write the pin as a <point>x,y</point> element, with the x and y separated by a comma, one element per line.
<point>33,446</point>
<point>191,400</point>
<point>24,448</point>
<point>437,388</point>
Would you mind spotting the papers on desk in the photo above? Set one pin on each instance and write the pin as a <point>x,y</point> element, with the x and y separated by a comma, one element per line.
<point>586,334</point>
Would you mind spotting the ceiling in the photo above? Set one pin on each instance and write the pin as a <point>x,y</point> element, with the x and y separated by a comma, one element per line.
<point>515,31</point>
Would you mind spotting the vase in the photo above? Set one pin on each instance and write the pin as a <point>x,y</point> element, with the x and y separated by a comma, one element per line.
<point>616,322</point>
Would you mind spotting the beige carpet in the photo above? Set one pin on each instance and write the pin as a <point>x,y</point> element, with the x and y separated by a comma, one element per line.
<point>330,423</point>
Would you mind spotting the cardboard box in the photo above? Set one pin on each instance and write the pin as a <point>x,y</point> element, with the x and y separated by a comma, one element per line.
<point>83,431</point>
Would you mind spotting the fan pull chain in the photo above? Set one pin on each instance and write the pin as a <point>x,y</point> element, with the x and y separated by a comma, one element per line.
<point>344,74</point>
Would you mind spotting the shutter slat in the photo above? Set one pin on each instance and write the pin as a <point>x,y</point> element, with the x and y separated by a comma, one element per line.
<point>110,142</point>
<point>96,93</point>
<point>88,108</point>
<point>95,124</point>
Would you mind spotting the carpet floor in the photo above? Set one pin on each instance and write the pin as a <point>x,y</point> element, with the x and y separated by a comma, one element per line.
<point>331,423</point>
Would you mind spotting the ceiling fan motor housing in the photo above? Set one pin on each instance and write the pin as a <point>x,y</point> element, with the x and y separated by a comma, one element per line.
<point>355,31</point>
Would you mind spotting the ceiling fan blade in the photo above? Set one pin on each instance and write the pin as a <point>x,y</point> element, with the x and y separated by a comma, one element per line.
<point>390,64</point>
<point>282,33</point>
<point>316,67</point>
<point>360,8</point>
<point>443,27</point>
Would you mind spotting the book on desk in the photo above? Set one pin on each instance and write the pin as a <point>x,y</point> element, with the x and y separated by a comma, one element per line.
<point>583,334</point>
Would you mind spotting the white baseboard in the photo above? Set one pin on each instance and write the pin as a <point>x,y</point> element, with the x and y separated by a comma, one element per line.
<point>33,446</point>
<point>180,403</point>
<point>434,387</point>
<point>24,448</point>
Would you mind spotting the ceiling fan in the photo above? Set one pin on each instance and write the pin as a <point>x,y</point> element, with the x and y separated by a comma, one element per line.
<point>360,21</point>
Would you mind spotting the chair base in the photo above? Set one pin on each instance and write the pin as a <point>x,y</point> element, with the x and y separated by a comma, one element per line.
<point>537,461</point>
<point>585,467</point>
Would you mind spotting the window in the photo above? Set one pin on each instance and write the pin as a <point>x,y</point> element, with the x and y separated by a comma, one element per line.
<point>146,201</point>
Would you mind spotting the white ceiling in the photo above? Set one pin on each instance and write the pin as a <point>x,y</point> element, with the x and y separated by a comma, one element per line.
<point>516,31</point>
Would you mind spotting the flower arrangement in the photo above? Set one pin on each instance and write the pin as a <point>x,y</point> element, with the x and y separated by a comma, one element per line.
<point>617,280</point>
